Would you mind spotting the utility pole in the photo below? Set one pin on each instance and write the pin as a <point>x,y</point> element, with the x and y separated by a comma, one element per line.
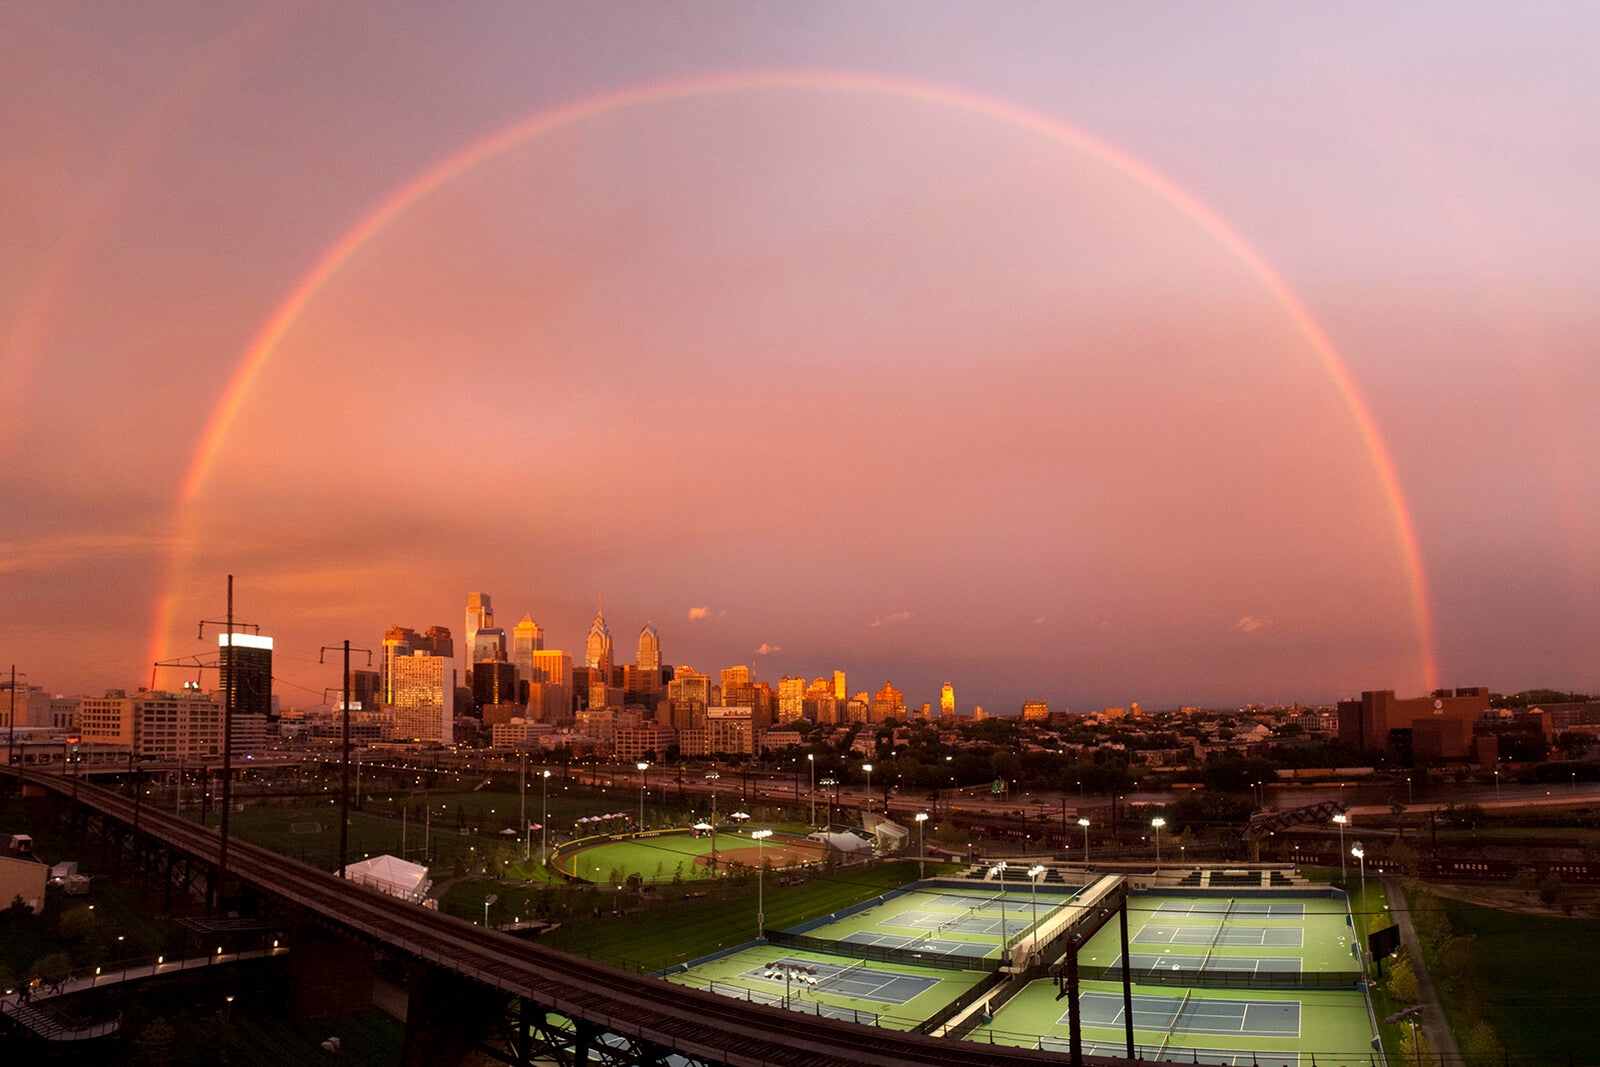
<point>344,756</point>
<point>213,893</point>
<point>11,739</point>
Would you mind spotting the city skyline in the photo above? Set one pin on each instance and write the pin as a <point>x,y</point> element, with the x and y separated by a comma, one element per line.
<point>1088,355</point>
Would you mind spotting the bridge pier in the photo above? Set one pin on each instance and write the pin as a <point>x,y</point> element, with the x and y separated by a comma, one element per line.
<point>330,973</point>
<point>446,1016</point>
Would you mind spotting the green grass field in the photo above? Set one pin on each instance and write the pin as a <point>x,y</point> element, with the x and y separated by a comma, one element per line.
<point>679,856</point>
<point>1533,974</point>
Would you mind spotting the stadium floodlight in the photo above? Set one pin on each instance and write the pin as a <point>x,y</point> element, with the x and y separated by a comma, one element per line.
<point>1085,824</point>
<point>1341,819</point>
<point>922,853</point>
<point>1156,824</point>
<point>1033,888</point>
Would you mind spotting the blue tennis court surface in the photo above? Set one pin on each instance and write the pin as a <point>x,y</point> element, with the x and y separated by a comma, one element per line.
<point>981,925</point>
<point>854,980</point>
<point>1259,909</point>
<point>1185,1015</point>
<point>1150,963</point>
<point>1232,936</point>
<point>1156,1054</point>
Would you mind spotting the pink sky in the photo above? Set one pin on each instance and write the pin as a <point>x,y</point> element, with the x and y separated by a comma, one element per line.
<point>886,368</point>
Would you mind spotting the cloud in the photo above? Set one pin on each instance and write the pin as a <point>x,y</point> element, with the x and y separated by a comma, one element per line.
<point>699,613</point>
<point>1038,619</point>
<point>886,620</point>
<point>767,650</point>
<point>1247,624</point>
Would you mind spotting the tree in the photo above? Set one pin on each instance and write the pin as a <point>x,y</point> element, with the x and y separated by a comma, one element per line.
<point>1481,1045</point>
<point>1402,980</point>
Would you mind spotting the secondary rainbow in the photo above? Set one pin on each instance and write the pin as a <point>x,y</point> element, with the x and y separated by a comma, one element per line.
<point>260,352</point>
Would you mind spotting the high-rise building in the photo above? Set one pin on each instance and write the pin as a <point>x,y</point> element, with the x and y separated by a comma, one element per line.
<point>947,702</point>
<point>247,673</point>
<point>649,649</point>
<point>493,682</point>
<point>480,616</point>
<point>488,646</point>
<point>423,690</point>
<point>839,692</point>
<point>550,686</point>
<point>526,639</point>
<point>597,649</point>
<point>887,703</point>
<point>688,696</point>
<point>791,699</point>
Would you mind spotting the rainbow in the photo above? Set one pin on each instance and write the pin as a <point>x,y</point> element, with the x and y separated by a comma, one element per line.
<point>237,390</point>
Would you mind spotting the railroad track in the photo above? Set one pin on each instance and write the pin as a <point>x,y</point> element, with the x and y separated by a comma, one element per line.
<point>674,1017</point>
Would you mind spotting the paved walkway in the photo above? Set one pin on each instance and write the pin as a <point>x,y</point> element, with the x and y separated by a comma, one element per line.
<point>1441,1039</point>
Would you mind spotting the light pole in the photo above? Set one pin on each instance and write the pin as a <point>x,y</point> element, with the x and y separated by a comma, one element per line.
<point>868,768</point>
<point>643,767</point>
<point>1156,824</point>
<point>811,761</point>
<point>1033,891</point>
<point>1085,824</point>
<point>1361,858</point>
<point>1497,783</point>
<point>544,815</point>
<point>490,899</point>
<point>1341,819</point>
<point>761,917</point>
<point>712,778</point>
<point>922,853</point>
<point>1409,1015</point>
<point>834,782</point>
<point>999,870</point>
<point>522,800</point>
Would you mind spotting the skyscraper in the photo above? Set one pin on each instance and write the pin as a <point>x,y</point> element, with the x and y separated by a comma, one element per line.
<point>526,639</point>
<point>649,649</point>
<point>480,616</point>
<point>423,697</point>
<point>947,702</point>
<point>250,680</point>
<point>597,650</point>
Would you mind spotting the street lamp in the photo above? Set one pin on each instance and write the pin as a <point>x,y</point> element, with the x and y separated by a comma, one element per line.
<point>490,899</point>
<point>643,767</point>
<point>1157,823</point>
<point>712,778</point>
<point>868,768</point>
<point>922,853</point>
<point>834,782</point>
<point>544,819</point>
<point>1033,891</point>
<point>1341,819</point>
<point>761,917</point>
<point>1085,824</point>
<point>1361,858</point>
<point>811,762</point>
<point>1410,1015</point>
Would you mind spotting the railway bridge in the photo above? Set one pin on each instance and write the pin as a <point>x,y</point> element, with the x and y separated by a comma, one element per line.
<point>470,987</point>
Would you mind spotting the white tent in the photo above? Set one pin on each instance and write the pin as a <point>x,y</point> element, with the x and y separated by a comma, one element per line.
<point>391,875</point>
<point>846,841</point>
<point>889,835</point>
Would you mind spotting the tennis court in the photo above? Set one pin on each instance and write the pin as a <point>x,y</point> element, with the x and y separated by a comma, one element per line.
<point>981,925</point>
<point>1151,963</point>
<point>932,945</point>
<point>1212,934</point>
<point>851,980</point>
<point>1256,909</point>
<point>1183,1015</point>
<point>1015,903</point>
